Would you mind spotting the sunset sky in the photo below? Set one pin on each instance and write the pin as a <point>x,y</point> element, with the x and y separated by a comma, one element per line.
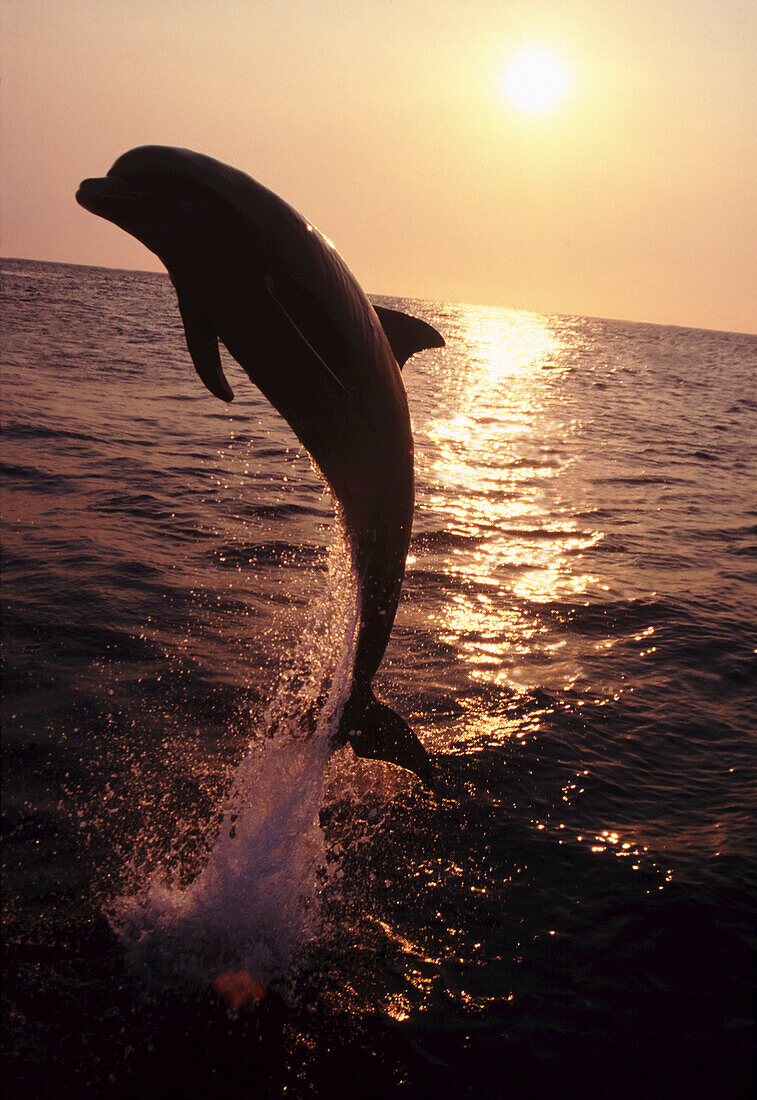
<point>615,177</point>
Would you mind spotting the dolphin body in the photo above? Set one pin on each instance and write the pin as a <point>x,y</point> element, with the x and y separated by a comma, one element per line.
<point>252,272</point>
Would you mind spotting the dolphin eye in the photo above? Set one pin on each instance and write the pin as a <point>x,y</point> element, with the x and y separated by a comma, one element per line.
<point>192,208</point>
<point>187,205</point>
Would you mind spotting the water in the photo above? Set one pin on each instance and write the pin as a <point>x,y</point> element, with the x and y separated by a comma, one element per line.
<point>576,646</point>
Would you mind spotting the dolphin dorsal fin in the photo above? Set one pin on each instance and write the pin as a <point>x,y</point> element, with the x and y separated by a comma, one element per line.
<point>202,342</point>
<point>407,334</point>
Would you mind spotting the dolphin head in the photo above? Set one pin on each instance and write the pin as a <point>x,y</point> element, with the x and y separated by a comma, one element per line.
<point>148,193</point>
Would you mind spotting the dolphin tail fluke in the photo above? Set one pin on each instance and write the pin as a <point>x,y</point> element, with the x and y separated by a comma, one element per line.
<point>376,732</point>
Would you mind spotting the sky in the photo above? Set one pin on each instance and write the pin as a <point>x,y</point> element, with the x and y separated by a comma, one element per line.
<point>394,126</point>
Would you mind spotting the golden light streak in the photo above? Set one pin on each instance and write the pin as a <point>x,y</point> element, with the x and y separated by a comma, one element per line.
<point>510,550</point>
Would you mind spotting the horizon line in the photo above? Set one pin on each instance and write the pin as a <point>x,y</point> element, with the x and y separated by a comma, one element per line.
<point>400,297</point>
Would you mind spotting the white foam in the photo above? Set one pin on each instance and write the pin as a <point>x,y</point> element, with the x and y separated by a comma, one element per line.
<point>255,901</point>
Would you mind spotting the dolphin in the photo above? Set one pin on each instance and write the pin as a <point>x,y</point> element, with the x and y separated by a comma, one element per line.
<point>249,270</point>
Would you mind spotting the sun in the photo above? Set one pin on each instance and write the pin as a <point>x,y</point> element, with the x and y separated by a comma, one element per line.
<point>536,80</point>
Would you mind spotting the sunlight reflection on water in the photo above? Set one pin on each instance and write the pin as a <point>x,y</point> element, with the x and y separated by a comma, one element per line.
<point>497,485</point>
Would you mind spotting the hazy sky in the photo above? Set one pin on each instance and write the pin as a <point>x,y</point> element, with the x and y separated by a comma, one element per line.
<point>388,125</point>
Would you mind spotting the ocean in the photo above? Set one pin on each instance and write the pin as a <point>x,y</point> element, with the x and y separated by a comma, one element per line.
<point>571,913</point>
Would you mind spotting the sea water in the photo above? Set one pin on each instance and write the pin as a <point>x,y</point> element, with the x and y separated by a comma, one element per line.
<point>576,646</point>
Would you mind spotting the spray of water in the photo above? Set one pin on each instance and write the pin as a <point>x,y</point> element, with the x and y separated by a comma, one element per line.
<point>255,901</point>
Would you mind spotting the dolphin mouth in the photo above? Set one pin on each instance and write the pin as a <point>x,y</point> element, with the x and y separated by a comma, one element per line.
<point>108,193</point>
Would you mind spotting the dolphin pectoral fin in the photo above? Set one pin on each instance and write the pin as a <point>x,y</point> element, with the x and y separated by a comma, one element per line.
<point>293,325</point>
<point>407,334</point>
<point>202,342</point>
<point>383,735</point>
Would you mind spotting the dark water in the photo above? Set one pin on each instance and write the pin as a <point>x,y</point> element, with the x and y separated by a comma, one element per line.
<point>573,913</point>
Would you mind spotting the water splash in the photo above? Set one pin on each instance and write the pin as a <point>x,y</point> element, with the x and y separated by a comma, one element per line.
<point>256,900</point>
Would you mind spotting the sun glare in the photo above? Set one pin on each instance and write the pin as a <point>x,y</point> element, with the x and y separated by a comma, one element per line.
<point>536,80</point>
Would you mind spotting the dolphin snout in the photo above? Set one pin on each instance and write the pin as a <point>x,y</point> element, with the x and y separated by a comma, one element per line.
<point>88,192</point>
<point>106,193</point>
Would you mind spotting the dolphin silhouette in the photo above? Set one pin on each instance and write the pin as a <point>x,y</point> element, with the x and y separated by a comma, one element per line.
<point>252,272</point>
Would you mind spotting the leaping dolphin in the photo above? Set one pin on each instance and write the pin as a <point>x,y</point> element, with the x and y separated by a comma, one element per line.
<point>252,272</point>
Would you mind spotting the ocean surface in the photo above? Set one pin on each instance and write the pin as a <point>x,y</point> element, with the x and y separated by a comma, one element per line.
<point>572,912</point>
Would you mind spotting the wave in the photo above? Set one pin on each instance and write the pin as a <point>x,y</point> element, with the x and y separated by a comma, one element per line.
<point>234,555</point>
<point>35,478</point>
